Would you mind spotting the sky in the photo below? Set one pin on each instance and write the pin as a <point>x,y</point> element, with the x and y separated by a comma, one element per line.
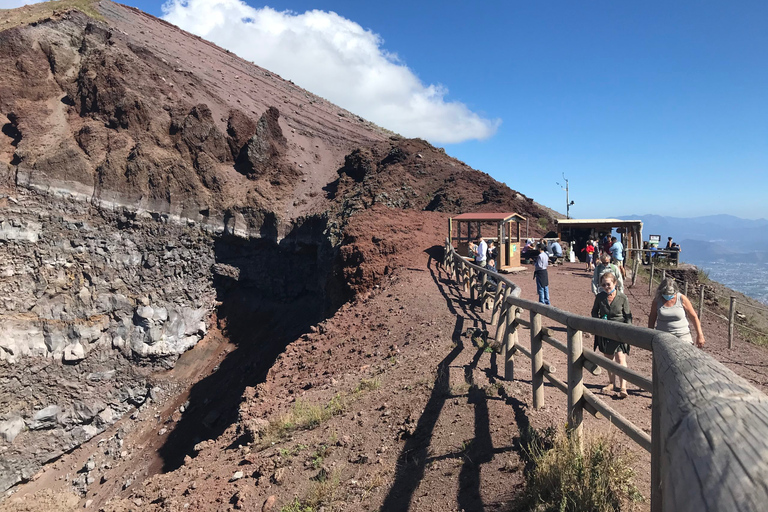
<point>651,107</point>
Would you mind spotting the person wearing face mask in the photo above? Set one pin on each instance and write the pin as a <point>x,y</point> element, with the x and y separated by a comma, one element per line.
<point>611,304</point>
<point>672,312</point>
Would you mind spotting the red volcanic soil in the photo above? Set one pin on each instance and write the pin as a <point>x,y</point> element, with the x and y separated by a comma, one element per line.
<point>417,417</point>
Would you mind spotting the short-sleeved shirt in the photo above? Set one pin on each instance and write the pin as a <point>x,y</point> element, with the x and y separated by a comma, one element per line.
<point>617,251</point>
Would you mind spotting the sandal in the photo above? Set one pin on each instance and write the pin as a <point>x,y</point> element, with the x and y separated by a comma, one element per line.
<point>623,393</point>
<point>608,388</point>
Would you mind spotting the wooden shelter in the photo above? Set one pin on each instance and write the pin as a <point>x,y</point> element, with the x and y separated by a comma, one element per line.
<point>502,228</point>
<point>579,231</point>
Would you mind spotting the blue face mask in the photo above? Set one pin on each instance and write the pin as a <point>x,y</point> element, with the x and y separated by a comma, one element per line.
<point>668,297</point>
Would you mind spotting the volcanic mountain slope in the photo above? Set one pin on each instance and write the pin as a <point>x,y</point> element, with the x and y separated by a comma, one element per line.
<point>133,112</point>
<point>154,187</point>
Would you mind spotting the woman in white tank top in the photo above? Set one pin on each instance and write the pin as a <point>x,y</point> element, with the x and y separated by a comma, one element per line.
<point>671,312</point>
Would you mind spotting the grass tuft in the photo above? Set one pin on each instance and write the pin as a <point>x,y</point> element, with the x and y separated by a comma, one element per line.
<point>368,385</point>
<point>560,479</point>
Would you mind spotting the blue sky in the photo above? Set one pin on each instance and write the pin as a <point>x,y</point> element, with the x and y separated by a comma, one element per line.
<point>646,107</point>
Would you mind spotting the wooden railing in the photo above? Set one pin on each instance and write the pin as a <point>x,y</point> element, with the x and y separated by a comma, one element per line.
<point>709,427</point>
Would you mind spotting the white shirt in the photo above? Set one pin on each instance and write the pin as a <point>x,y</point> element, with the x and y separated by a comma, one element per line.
<point>482,250</point>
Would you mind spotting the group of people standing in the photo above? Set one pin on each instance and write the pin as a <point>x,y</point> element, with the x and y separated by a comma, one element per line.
<point>610,246</point>
<point>484,253</point>
<point>671,311</point>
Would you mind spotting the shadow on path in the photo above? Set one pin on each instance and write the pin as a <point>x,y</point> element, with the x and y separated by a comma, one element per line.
<point>479,450</point>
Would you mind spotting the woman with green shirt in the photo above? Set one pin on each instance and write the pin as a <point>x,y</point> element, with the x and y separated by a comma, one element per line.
<point>611,304</point>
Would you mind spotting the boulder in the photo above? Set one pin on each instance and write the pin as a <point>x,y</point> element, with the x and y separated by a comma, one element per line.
<point>45,418</point>
<point>12,427</point>
<point>74,353</point>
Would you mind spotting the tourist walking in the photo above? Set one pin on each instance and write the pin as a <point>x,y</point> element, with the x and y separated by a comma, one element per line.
<point>611,304</point>
<point>604,266</point>
<point>541,275</point>
<point>590,250</point>
<point>617,255</point>
<point>672,312</point>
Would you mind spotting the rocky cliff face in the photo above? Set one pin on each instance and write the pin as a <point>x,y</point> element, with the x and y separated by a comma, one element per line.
<point>154,186</point>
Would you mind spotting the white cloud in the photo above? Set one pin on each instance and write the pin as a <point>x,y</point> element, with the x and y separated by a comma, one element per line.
<point>337,59</point>
<point>12,4</point>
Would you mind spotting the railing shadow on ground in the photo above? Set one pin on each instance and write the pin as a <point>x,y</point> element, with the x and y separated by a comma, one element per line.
<point>414,457</point>
<point>709,426</point>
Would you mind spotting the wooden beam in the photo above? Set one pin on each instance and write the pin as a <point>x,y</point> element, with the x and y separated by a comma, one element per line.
<point>635,378</point>
<point>622,423</point>
<point>536,356</point>
<point>510,341</point>
<point>575,387</point>
<point>713,431</point>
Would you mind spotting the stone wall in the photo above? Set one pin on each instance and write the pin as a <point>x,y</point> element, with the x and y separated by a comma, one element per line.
<point>94,302</point>
<point>73,279</point>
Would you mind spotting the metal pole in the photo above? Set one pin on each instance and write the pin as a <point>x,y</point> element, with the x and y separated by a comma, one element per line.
<point>701,302</point>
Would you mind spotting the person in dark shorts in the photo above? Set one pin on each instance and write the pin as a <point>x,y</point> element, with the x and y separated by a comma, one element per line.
<point>611,304</point>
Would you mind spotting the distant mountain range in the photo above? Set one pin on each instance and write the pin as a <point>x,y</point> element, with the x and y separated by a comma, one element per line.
<point>710,238</point>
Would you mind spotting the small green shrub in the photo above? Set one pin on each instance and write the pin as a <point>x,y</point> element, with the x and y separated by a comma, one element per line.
<point>296,506</point>
<point>561,479</point>
<point>543,222</point>
<point>368,385</point>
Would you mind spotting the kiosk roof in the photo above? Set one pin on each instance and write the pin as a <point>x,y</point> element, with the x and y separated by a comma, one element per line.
<point>489,216</point>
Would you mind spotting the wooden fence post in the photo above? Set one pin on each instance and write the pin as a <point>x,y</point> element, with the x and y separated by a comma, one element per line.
<point>635,268</point>
<point>575,387</point>
<point>510,340</point>
<point>701,302</point>
<point>481,295</point>
<point>663,274</point>
<point>537,359</point>
<point>656,490</point>
<point>468,283</point>
<point>731,321</point>
<point>650,279</point>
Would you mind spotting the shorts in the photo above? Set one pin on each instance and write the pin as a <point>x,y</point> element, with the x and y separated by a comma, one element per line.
<point>590,258</point>
<point>620,263</point>
<point>686,338</point>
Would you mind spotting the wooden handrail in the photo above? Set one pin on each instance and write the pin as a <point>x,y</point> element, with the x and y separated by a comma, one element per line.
<point>709,427</point>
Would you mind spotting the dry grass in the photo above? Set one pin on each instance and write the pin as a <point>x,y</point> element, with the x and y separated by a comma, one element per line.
<point>321,496</point>
<point>561,479</point>
<point>10,18</point>
<point>305,415</point>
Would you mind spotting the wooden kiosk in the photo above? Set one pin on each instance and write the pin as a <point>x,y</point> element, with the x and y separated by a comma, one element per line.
<point>579,231</point>
<point>502,228</point>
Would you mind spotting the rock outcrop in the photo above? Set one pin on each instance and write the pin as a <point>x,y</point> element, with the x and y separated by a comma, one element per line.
<point>153,185</point>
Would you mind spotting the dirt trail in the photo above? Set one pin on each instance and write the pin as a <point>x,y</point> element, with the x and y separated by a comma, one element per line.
<point>427,421</point>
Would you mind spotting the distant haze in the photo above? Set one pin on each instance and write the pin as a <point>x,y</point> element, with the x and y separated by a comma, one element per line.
<point>732,250</point>
<point>710,238</point>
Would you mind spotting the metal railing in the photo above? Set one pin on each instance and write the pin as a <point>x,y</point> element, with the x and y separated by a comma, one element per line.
<point>709,433</point>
